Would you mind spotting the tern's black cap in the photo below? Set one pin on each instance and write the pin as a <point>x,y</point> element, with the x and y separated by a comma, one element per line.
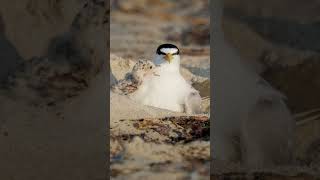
<point>167,46</point>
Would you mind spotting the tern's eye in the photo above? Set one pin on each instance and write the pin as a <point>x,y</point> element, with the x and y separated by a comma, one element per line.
<point>150,67</point>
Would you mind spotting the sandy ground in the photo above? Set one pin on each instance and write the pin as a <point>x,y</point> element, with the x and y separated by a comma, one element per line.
<point>66,137</point>
<point>148,142</point>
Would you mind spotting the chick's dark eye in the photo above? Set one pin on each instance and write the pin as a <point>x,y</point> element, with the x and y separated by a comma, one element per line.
<point>150,67</point>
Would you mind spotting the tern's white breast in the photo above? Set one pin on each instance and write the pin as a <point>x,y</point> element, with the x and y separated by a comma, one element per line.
<point>166,91</point>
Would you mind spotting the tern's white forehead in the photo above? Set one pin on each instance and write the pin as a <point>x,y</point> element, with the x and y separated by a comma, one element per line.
<point>169,50</point>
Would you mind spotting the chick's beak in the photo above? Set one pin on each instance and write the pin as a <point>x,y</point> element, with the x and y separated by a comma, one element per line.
<point>168,57</point>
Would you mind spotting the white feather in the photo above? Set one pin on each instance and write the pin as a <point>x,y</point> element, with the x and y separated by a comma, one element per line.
<point>168,90</point>
<point>169,50</point>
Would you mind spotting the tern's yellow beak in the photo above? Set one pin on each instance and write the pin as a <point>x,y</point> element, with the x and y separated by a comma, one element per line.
<point>168,57</point>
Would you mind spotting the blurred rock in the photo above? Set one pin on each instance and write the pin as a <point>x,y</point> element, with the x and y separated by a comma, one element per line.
<point>198,34</point>
<point>36,22</point>
<point>50,81</point>
<point>72,57</point>
<point>9,58</point>
<point>119,67</point>
<point>203,87</point>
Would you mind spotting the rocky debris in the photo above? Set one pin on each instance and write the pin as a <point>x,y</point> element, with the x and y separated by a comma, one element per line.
<point>168,129</point>
<point>150,160</point>
<point>261,175</point>
<point>156,145</point>
<point>119,66</point>
<point>51,82</point>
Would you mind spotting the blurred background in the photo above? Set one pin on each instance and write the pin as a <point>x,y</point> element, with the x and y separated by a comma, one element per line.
<point>280,40</point>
